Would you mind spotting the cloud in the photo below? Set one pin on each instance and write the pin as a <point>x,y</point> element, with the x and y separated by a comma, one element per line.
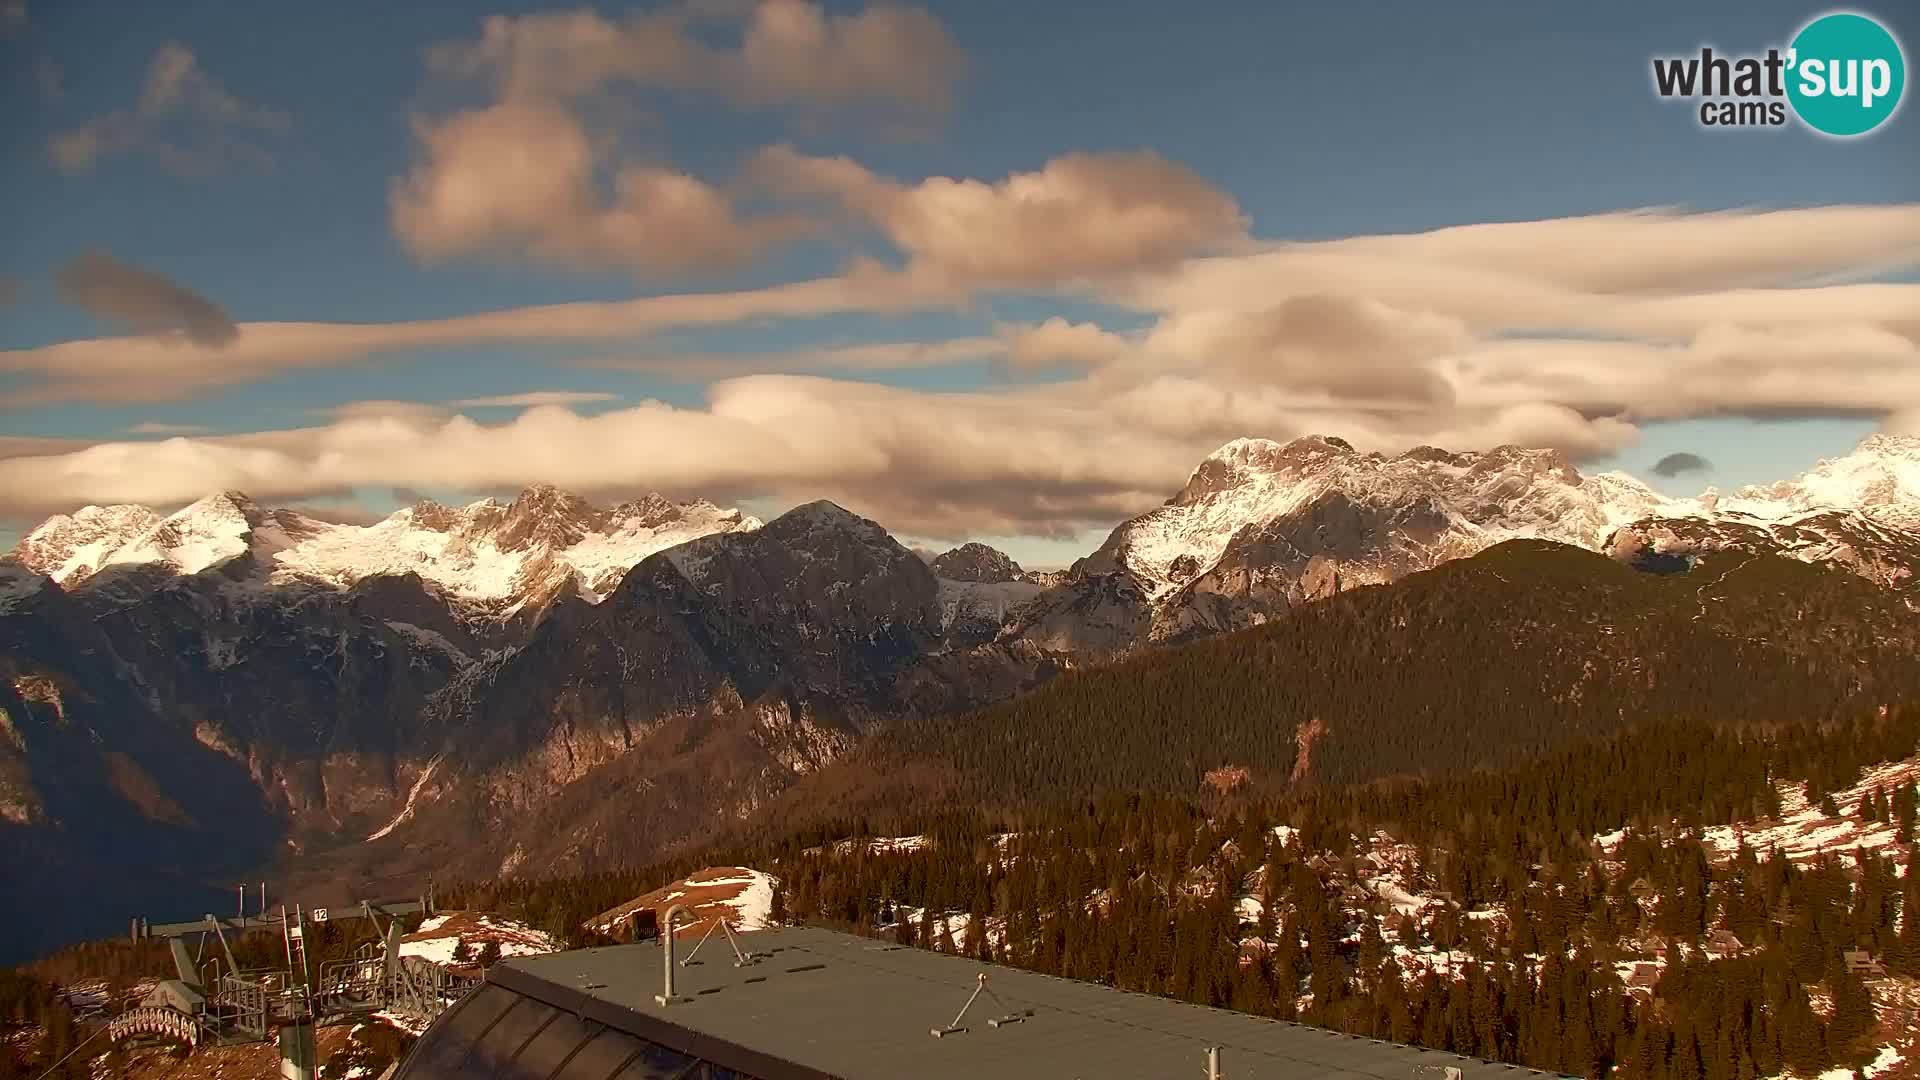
<point>338,511</point>
<point>1049,459</point>
<point>1844,368</point>
<point>39,445</point>
<point>522,176</point>
<point>790,53</point>
<point>1019,346</point>
<point>183,118</point>
<point>534,399</point>
<point>13,17</point>
<point>1467,347</point>
<point>148,369</point>
<point>143,301</point>
<point>520,179</point>
<point>1618,273</point>
<point>1058,341</point>
<point>154,428</point>
<point>1350,349</point>
<point>1683,462</point>
<point>410,414</point>
<point>1079,217</point>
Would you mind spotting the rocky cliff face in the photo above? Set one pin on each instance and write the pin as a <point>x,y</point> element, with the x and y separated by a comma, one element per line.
<point>977,563</point>
<point>1261,527</point>
<point>717,673</point>
<point>506,687</point>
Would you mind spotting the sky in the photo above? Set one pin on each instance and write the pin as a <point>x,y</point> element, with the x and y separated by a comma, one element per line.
<point>985,269</point>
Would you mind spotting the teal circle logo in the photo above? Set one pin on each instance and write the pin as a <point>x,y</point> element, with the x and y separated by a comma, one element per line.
<point>1845,74</point>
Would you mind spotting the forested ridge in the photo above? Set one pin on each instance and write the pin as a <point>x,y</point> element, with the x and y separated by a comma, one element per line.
<point>1516,954</point>
<point>1215,821</point>
<point>1525,929</point>
<point>1487,661</point>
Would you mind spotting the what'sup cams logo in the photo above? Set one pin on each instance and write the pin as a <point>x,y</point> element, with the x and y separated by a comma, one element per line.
<point>1842,75</point>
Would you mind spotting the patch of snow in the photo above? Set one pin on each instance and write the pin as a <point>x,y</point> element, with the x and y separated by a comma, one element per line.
<point>753,908</point>
<point>406,812</point>
<point>889,845</point>
<point>1883,1062</point>
<point>1802,831</point>
<point>1253,482</point>
<point>461,551</point>
<point>990,601</point>
<point>438,938</point>
<point>430,639</point>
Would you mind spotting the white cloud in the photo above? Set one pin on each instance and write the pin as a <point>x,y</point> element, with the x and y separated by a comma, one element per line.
<point>1040,460</point>
<point>1658,273</point>
<point>520,179</point>
<point>534,399</point>
<point>1079,217</point>
<point>152,427</point>
<point>1060,342</point>
<point>183,118</point>
<point>790,53</point>
<point>146,369</point>
<point>1390,342</point>
<point>524,176</point>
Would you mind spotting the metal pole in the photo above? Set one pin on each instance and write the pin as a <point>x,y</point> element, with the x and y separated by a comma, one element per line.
<point>243,903</point>
<point>1213,1064</point>
<point>666,996</point>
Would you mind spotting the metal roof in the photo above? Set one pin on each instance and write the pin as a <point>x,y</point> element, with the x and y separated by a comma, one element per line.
<point>820,1004</point>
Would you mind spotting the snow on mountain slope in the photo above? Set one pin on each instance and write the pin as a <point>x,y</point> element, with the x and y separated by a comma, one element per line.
<point>1261,526</point>
<point>1884,554</point>
<point>1880,478</point>
<point>493,551</point>
<point>740,895</point>
<point>70,548</point>
<point>1803,831</point>
<point>489,551</point>
<point>976,610</point>
<point>1442,504</point>
<point>440,937</point>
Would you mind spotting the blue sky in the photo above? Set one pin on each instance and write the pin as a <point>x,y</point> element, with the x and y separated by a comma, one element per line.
<point>1318,122</point>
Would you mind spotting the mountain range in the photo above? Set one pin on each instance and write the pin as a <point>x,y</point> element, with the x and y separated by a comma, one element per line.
<point>514,687</point>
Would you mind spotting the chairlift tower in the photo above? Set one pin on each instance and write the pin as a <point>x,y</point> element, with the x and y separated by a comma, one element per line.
<point>205,1005</point>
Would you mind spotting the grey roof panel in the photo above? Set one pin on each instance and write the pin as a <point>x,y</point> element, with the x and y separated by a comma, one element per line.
<point>554,1045</point>
<point>825,1004</point>
<point>601,1056</point>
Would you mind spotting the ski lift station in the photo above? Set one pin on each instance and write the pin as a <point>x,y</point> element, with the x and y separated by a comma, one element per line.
<point>811,1004</point>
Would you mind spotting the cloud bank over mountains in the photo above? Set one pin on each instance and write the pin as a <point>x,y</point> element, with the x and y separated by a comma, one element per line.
<point>1188,327</point>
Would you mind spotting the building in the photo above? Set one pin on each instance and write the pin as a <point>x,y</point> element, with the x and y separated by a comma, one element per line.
<point>1861,963</point>
<point>809,1004</point>
<point>1644,977</point>
<point>1722,944</point>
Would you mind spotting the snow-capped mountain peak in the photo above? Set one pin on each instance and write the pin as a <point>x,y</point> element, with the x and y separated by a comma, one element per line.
<point>1880,477</point>
<point>70,548</point>
<point>1428,501</point>
<point>487,551</point>
<point>1262,525</point>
